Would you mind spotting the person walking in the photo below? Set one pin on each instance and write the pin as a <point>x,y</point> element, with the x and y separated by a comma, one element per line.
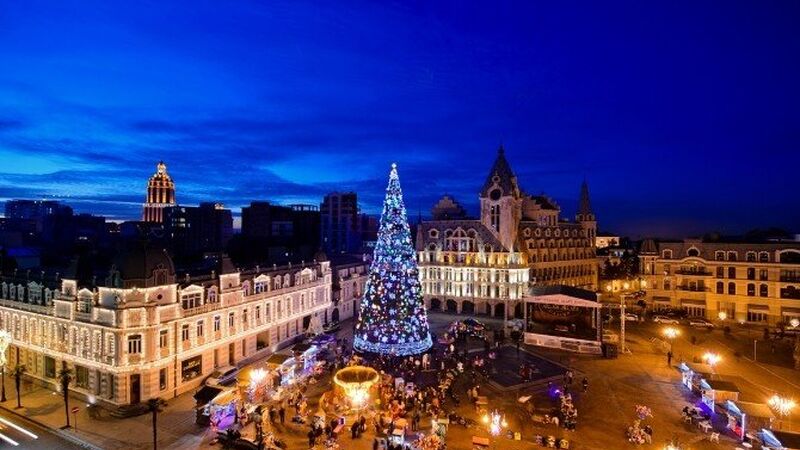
<point>585,383</point>
<point>282,414</point>
<point>669,358</point>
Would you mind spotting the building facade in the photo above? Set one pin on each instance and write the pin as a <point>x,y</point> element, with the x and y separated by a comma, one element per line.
<point>146,332</point>
<point>485,265</point>
<point>193,230</point>
<point>349,277</point>
<point>160,194</point>
<point>340,230</point>
<point>748,282</point>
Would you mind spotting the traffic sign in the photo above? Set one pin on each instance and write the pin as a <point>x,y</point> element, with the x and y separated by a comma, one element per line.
<point>75,410</point>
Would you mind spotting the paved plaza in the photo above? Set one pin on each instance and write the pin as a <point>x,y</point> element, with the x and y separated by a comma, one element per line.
<point>605,411</point>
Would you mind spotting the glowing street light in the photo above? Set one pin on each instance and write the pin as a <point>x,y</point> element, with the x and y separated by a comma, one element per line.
<point>496,422</point>
<point>722,315</point>
<point>795,322</point>
<point>712,359</point>
<point>671,332</point>
<point>782,405</point>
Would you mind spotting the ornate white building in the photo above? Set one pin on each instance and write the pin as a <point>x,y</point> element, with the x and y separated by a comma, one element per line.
<point>748,282</point>
<point>147,333</point>
<point>486,265</point>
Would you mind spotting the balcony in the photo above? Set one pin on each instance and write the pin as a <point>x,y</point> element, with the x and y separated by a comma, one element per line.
<point>27,307</point>
<point>695,273</point>
<point>790,278</point>
<point>688,288</point>
<point>208,307</point>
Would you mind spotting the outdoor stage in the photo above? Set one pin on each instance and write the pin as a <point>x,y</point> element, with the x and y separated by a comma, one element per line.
<point>563,317</point>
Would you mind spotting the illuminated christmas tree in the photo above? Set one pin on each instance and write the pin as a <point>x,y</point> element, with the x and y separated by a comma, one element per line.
<point>393,319</point>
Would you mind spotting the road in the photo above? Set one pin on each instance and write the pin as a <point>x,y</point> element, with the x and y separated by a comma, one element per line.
<point>20,433</point>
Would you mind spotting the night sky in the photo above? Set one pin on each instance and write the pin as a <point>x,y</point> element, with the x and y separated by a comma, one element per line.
<point>682,116</point>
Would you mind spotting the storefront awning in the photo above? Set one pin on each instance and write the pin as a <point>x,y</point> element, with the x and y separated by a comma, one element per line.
<point>278,358</point>
<point>794,312</point>
<point>661,300</point>
<point>206,394</point>
<point>693,302</point>
<point>757,308</point>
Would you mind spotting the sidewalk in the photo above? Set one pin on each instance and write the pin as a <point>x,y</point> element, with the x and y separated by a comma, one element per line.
<point>176,428</point>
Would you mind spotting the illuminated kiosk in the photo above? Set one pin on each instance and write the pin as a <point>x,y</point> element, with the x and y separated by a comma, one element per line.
<point>356,383</point>
<point>563,317</point>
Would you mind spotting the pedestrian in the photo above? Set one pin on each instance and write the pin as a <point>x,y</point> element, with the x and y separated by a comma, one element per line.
<point>271,414</point>
<point>282,414</point>
<point>585,384</point>
<point>312,439</point>
<point>669,358</point>
<point>354,430</point>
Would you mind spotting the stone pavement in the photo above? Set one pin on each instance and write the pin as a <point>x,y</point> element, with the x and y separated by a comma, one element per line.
<point>605,411</point>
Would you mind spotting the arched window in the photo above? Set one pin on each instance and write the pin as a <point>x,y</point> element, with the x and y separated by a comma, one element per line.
<point>731,288</point>
<point>763,256</point>
<point>751,289</point>
<point>751,256</point>
<point>693,252</point>
<point>720,287</point>
<point>719,256</point>
<point>732,256</point>
<point>763,290</point>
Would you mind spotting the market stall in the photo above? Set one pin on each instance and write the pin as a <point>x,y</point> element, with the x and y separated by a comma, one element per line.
<point>220,412</point>
<point>715,392</point>
<point>780,440</point>
<point>282,367</point>
<point>693,373</point>
<point>746,417</point>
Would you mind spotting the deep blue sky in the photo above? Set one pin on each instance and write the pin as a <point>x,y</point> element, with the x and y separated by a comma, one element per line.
<point>682,116</point>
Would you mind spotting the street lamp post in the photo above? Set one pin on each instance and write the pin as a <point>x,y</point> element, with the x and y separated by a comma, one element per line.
<point>5,341</point>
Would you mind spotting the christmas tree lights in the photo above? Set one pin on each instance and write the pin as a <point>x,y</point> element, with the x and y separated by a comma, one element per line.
<point>393,320</point>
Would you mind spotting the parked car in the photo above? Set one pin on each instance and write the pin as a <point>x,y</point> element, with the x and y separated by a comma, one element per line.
<point>631,317</point>
<point>665,319</point>
<point>700,323</point>
<point>223,376</point>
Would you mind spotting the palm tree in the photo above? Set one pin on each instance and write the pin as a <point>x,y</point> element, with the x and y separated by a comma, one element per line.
<point>65,378</point>
<point>155,405</point>
<point>17,372</point>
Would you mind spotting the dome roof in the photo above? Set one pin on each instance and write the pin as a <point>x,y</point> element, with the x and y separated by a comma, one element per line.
<point>140,266</point>
<point>320,256</point>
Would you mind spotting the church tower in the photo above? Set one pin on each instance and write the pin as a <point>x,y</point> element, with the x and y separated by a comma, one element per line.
<point>501,201</point>
<point>160,194</point>
<point>585,216</point>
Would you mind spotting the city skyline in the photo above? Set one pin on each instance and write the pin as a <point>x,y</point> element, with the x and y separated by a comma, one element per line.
<point>288,102</point>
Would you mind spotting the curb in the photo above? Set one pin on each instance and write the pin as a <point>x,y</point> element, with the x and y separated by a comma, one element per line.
<point>57,431</point>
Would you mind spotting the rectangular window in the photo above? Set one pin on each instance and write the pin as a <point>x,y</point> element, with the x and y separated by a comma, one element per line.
<point>199,328</point>
<point>217,323</point>
<point>163,338</point>
<point>720,272</point>
<point>162,379</point>
<point>185,333</point>
<point>81,377</point>
<point>751,273</point>
<point>244,317</point>
<point>49,367</point>
<point>763,275</point>
<point>756,316</point>
<point>731,272</point>
<point>258,313</point>
<point>135,344</point>
<point>189,301</point>
<point>231,319</point>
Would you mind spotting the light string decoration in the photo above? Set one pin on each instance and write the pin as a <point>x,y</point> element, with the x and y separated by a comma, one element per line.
<point>393,320</point>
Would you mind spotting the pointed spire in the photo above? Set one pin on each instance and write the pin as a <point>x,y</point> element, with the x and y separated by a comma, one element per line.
<point>501,174</point>
<point>584,205</point>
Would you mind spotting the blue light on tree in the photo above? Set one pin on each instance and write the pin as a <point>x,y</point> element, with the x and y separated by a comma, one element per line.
<point>393,320</point>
